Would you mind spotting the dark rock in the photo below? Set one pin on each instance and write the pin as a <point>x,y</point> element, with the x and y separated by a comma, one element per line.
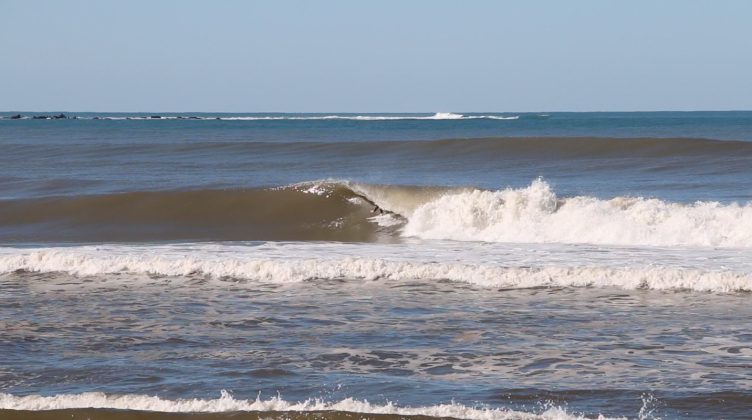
<point>16,117</point>
<point>60,117</point>
<point>41,117</point>
<point>156,117</point>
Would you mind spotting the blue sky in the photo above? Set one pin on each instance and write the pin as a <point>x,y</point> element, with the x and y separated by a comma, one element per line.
<point>375,56</point>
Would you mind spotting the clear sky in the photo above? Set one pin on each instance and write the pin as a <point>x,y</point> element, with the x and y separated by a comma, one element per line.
<point>372,56</point>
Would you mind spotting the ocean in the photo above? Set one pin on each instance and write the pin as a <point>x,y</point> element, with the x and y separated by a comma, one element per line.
<point>333,266</point>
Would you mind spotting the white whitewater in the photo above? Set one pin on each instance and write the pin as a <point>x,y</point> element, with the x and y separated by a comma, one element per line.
<point>536,215</point>
<point>492,266</point>
<point>226,403</point>
<point>436,116</point>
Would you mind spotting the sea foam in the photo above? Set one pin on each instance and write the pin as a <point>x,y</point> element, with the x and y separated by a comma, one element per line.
<point>294,264</point>
<point>536,215</point>
<point>226,403</point>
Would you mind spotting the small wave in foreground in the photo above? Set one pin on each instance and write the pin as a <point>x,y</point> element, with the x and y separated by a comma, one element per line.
<point>509,267</point>
<point>273,407</point>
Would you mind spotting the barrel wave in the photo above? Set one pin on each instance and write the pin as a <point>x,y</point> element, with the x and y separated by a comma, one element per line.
<point>353,212</point>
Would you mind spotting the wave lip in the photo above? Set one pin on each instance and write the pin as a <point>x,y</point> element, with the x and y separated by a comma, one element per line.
<point>226,403</point>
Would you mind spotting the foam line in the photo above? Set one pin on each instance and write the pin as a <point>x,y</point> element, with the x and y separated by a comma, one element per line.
<point>90,261</point>
<point>226,403</point>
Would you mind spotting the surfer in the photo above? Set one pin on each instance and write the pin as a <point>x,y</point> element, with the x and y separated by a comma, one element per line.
<point>376,208</point>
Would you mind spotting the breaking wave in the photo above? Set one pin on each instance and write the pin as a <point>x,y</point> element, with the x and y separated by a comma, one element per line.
<point>347,211</point>
<point>325,211</point>
<point>290,264</point>
<point>351,117</point>
<point>535,214</point>
<point>265,408</point>
<point>436,116</point>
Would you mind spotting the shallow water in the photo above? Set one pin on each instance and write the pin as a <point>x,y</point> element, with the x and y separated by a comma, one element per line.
<point>413,343</point>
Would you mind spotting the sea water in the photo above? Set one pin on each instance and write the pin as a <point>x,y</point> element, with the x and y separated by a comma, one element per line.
<point>480,265</point>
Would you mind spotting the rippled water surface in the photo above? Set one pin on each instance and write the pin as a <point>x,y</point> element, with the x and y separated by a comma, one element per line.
<point>413,343</point>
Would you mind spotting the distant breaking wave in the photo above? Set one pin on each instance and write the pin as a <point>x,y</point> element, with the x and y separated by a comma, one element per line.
<point>436,116</point>
<point>375,117</point>
<point>347,211</point>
